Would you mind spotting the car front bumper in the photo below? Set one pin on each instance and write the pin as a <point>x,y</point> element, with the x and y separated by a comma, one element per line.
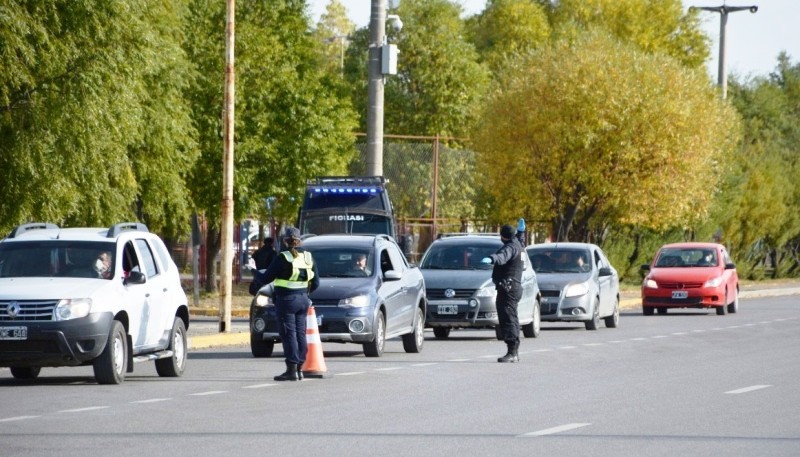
<point>342,325</point>
<point>458,313</point>
<point>703,297</point>
<point>567,309</point>
<point>56,343</point>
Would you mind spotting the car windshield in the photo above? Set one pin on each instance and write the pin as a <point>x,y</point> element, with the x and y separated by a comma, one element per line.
<point>461,257</point>
<point>559,260</point>
<point>71,259</point>
<point>686,257</point>
<point>343,262</point>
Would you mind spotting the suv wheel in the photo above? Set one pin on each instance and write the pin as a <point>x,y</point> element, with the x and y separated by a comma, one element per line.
<point>375,347</point>
<point>412,342</point>
<point>110,366</point>
<point>172,367</point>
<point>25,372</point>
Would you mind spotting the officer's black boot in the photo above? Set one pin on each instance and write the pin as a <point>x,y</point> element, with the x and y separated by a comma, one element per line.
<point>290,374</point>
<point>300,371</point>
<point>511,356</point>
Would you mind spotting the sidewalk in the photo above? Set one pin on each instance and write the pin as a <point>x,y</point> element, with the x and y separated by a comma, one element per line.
<point>204,322</point>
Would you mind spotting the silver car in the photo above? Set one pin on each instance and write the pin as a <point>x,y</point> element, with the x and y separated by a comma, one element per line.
<point>577,283</point>
<point>460,291</point>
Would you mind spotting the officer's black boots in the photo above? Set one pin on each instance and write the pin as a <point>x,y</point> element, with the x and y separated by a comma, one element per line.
<point>299,371</point>
<point>290,374</point>
<point>512,355</point>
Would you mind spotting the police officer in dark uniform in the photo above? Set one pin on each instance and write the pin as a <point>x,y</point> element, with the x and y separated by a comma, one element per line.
<point>295,275</point>
<point>507,277</point>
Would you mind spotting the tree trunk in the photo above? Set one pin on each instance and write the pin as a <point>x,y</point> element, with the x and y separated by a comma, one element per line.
<point>213,245</point>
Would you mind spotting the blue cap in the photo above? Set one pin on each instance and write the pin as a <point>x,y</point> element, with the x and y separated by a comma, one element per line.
<point>291,232</point>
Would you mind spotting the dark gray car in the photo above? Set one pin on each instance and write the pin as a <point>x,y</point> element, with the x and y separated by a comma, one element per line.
<point>577,282</point>
<point>460,290</point>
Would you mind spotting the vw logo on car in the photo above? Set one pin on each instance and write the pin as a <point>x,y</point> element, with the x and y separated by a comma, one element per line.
<point>449,293</point>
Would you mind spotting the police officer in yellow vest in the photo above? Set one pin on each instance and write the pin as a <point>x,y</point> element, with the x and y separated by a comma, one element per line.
<point>295,276</point>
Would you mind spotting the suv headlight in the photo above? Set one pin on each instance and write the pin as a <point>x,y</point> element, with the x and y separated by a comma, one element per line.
<point>576,290</point>
<point>72,308</point>
<point>264,300</point>
<point>359,301</point>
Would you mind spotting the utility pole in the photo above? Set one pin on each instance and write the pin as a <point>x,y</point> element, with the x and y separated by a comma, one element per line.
<point>377,35</point>
<point>722,75</point>
<point>226,262</point>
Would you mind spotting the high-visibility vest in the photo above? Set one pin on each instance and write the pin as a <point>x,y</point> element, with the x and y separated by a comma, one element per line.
<point>302,271</point>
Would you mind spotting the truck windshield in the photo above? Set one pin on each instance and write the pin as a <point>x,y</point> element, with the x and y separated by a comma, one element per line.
<point>352,223</point>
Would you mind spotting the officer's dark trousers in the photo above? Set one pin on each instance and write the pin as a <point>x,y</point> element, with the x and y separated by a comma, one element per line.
<point>292,310</point>
<point>507,301</point>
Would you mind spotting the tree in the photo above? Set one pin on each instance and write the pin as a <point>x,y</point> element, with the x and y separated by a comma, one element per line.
<point>93,129</point>
<point>573,132</point>
<point>290,123</point>
<point>334,30</point>
<point>507,27</point>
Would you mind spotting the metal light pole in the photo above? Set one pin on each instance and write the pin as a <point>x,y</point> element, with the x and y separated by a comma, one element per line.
<point>226,262</point>
<point>377,34</point>
<point>722,75</point>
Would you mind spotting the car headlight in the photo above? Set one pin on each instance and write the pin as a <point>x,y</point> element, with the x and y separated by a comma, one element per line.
<point>650,284</point>
<point>264,300</point>
<point>576,290</point>
<point>713,282</point>
<point>488,291</point>
<point>359,301</point>
<point>73,308</point>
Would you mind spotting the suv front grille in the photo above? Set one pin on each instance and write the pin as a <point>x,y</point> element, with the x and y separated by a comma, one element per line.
<point>27,310</point>
<point>438,294</point>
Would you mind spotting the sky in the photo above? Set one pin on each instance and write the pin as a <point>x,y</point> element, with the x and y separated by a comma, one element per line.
<point>753,41</point>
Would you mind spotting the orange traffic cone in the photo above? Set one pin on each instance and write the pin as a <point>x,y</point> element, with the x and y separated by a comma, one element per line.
<point>314,367</point>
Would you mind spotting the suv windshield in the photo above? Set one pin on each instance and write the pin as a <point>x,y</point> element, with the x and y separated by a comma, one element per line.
<point>559,260</point>
<point>72,259</point>
<point>458,257</point>
<point>343,262</point>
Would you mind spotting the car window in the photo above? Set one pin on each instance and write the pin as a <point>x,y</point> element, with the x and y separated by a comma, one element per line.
<point>398,261</point>
<point>559,260</point>
<point>341,262</point>
<point>162,253</point>
<point>457,257</point>
<point>76,259</point>
<point>148,261</point>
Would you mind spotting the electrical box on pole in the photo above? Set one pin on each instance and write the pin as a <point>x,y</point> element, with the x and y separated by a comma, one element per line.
<point>389,59</point>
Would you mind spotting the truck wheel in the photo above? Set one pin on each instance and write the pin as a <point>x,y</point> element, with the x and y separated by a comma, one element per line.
<point>172,367</point>
<point>375,347</point>
<point>25,372</point>
<point>110,366</point>
<point>412,342</point>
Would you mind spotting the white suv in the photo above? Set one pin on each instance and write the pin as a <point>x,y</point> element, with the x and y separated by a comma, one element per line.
<point>101,296</point>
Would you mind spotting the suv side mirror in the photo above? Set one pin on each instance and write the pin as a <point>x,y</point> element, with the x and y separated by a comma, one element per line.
<point>604,272</point>
<point>135,277</point>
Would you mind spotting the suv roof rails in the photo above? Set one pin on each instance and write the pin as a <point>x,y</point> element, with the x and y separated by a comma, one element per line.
<point>22,228</point>
<point>116,229</point>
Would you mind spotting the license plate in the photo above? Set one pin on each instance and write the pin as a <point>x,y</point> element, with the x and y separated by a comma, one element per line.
<point>13,333</point>
<point>319,320</point>
<point>679,294</point>
<point>448,309</point>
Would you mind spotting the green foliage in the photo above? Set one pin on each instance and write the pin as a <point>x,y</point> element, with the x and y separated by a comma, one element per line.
<point>580,127</point>
<point>89,110</point>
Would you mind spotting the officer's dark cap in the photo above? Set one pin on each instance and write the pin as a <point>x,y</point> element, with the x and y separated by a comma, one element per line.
<point>507,231</point>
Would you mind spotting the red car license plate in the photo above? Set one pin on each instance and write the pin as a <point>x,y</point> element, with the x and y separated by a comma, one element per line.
<point>680,294</point>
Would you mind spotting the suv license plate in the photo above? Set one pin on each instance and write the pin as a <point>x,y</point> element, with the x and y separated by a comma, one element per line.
<point>13,333</point>
<point>680,294</point>
<point>448,309</point>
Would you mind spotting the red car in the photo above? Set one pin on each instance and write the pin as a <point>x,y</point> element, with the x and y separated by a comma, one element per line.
<point>691,275</point>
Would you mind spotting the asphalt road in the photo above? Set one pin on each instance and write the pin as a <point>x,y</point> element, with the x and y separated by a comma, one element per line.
<point>690,384</point>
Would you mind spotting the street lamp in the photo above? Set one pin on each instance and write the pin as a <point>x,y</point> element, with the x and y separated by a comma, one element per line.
<point>722,76</point>
<point>342,39</point>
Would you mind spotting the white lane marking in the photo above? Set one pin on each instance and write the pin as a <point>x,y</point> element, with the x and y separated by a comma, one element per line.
<point>457,360</point>
<point>638,339</point>
<point>659,336</point>
<point>559,429</point>
<point>568,347</point>
<point>258,386</point>
<point>593,344</point>
<point>18,418</point>
<point>764,322</point>
<point>210,392</point>
<point>389,369</point>
<point>152,400</point>
<point>733,326</point>
<point>747,389</point>
<point>543,350</point>
<point>698,331</point>
<point>680,333</point>
<point>617,341</point>
<point>434,363</point>
<point>352,373</point>
<point>81,410</point>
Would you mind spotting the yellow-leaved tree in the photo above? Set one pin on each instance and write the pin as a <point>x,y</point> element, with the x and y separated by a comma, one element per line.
<point>591,132</point>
